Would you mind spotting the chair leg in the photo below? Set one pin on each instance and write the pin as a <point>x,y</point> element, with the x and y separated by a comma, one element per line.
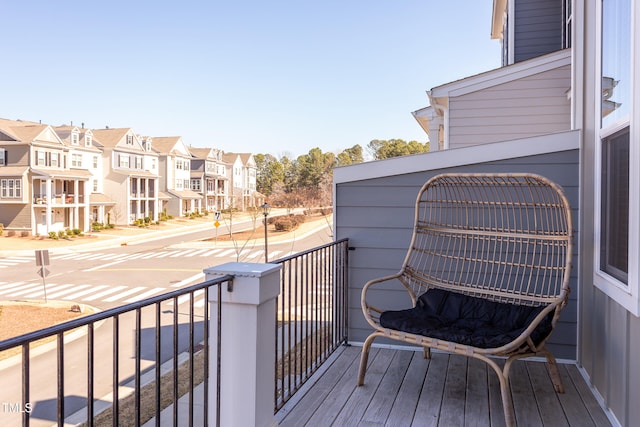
<point>507,402</point>
<point>505,390</point>
<point>552,366</point>
<point>364,358</point>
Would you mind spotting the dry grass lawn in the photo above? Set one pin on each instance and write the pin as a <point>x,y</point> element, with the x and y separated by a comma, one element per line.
<point>18,318</point>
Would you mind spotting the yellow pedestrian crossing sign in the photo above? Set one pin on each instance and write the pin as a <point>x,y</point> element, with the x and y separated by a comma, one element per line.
<point>217,224</point>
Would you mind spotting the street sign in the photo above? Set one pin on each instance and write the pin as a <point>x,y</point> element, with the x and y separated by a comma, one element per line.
<point>42,257</point>
<point>216,215</point>
<point>43,272</point>
<point>216,224</point>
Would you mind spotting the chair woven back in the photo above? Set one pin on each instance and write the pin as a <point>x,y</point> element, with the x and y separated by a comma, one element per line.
<point>503,237</point>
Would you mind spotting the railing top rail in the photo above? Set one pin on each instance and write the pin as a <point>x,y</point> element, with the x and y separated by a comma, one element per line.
<point>308,251</point>
<point>96,317</point>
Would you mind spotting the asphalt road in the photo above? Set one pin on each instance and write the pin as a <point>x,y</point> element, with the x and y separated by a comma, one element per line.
<point>110,277</point>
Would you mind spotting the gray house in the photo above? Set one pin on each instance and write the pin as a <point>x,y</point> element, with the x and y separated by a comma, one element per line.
<point>561,106</point>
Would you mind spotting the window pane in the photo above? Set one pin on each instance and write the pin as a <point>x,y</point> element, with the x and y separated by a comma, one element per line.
<point>615,205</point>
<point>616,60</point>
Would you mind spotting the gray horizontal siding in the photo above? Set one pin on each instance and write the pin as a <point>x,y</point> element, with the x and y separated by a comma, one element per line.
<point>529,106</point>
<point>377,216</point>
<point>538,28</point>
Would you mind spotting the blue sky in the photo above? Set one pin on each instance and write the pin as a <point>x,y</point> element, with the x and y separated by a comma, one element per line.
<point>277,77</point>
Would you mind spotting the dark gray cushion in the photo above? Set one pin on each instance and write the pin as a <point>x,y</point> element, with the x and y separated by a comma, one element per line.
<point>463,319</point>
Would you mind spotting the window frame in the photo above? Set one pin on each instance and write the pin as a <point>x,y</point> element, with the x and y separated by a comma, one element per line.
<point>11,188</point>
<point>76,160</point>
<point>626,294</point>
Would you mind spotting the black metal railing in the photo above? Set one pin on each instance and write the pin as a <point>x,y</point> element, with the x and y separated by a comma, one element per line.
<point>311,314</point>
<point>101,361</point>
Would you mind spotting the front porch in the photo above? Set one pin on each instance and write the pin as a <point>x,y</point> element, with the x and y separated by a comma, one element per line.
<point>402,389</point>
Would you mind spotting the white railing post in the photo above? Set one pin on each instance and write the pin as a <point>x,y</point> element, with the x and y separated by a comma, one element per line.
<point>247,344</point>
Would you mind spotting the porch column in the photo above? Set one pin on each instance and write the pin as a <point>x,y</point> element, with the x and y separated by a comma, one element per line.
<point>76,209</point>
<point>247,344</point>
<point>49,210</point>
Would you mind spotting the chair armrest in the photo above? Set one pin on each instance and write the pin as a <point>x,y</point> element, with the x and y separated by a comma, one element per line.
<point>371,313</point>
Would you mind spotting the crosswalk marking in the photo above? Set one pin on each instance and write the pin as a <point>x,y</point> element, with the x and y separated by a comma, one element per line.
<point>99,293</point>
<point>184,298</point>
<point>197,252</point>
<point>124,294</point>
<point>92,288</point>
<point>15,260</point>
<point>163,254</point>
<point>151,255</point>
<point>53,292</point>
<point>227,252</point>
<point>105,292</point>
<point>10,285</point>
<point>210,252</point>
<point>146,294</point>
<point>135,256</point>
<point>24,290</point>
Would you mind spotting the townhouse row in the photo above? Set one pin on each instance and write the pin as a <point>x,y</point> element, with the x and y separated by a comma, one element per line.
<point>54,178</point>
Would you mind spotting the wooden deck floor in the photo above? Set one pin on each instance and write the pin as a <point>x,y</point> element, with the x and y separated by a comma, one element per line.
<point>404,389</point>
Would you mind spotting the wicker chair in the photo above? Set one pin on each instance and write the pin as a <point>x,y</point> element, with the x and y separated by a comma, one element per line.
<point>505,239</point>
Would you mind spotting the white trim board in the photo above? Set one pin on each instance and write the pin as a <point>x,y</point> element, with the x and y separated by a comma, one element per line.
<point>551,143</point>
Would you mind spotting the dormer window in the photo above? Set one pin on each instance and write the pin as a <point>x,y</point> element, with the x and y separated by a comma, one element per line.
<point>75,138</point>
<point>87,140</point>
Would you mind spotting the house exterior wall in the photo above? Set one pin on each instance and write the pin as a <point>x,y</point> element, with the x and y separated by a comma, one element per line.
<point>529,106</point>
<point>609,334</point>
<point>16,155</point>
<point>15,216</point>
<point>377,216</point>
<point>538,28</point>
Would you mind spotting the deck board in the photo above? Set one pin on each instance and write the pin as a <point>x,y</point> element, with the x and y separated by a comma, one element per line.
<point>404,389</point>
<point>382,402</point>
<point>406,400</point>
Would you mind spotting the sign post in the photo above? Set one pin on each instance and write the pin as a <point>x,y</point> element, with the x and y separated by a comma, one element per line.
<point>216,224</point>
<point>42,261</point>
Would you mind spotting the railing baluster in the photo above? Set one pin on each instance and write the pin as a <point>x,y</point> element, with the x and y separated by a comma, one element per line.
<point>116,369</point>
<point>175,361</point>
<point>90,373</point>
<point>60,379</point>
<point>206,355</point>
<point>191,350</point>
<point>158,363</point>
<point>25,383</point>
<point>138,350</point>
<point>219,356</point>
<point>313,303</point>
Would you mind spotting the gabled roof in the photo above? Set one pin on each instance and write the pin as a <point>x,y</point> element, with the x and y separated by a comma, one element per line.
<point>28,132</point>
<point>231,157</point>
<point>169,145</point>
<point>200,153</point>
<point>110,137</point>
<point>64,133</point>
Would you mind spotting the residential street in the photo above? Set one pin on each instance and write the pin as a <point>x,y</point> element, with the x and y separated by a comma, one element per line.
<point>111,274</point>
